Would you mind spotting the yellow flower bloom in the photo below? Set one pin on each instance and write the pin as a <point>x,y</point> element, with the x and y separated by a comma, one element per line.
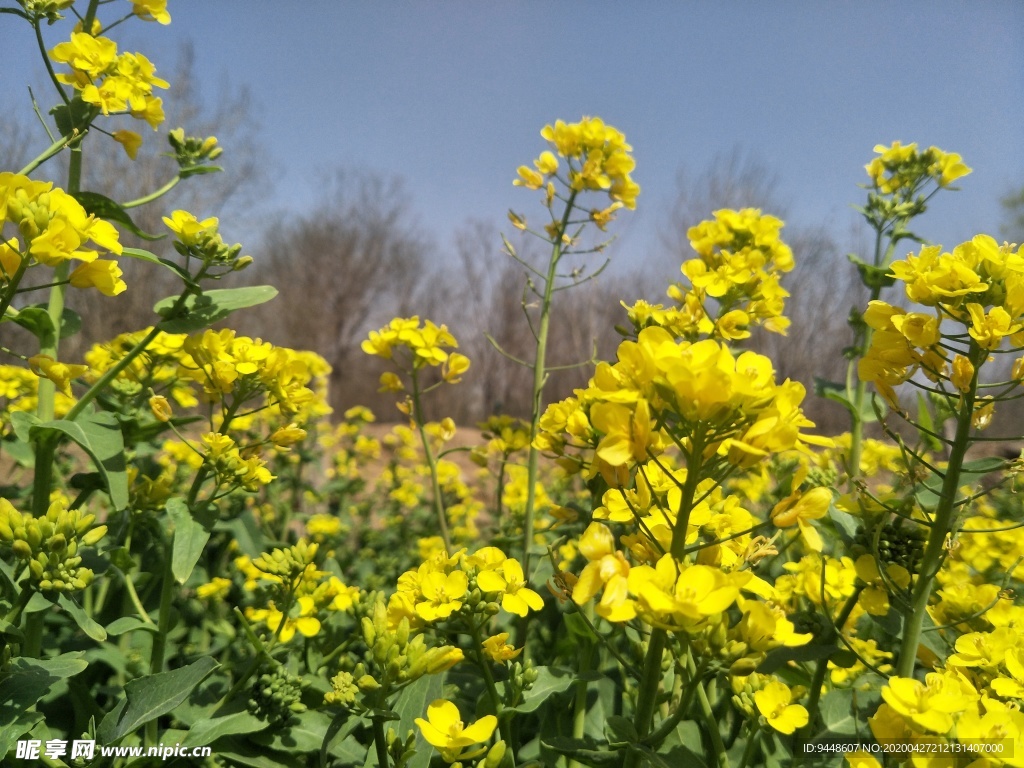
<point>102,274</point>
<point>217,588</point>
<point>151,10</point>
<point>774,702</point>
<point>160,407</point>
<point>442,594</point>
<point>130,140</point>
<point>445,730</point>
<point>61,374</point>
<point>498,649</point>
<point>516,596</point>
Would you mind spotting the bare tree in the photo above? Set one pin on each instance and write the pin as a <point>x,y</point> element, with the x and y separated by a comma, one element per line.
<point>343,269</point>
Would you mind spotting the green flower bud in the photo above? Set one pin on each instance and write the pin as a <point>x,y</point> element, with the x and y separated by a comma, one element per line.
<point>367,684</point>
<point>21,549</point>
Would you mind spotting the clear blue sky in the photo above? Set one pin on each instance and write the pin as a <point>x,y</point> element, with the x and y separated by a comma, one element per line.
<point>451,95</point>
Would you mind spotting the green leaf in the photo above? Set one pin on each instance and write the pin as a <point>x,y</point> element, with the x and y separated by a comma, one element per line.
<point>129,624</point>
<point>99,434</point>
<point>190,537</point>
<point>837,712</point>
<point>621,729</point>
<point>149,697</point>
<point>24,683</point>
<point>36,320</point>
<point>550,681</point>
<point>239,752</point>
<point>82,619</point>
<point>870,275</point>
<point>926,422</point>
<point>102,207</point>
<point>211,306</point>
<point>304,733</point>
<point>23,421</point>
<point>152,258</point>
<point>579,628</point>
<point>412,702</point>
<point>208,730</point>
<point>76,115</point>
<point>836,392</point>
<point>821,647</point>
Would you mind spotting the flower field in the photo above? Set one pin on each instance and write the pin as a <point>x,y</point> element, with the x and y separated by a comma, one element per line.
<point>202,562</point>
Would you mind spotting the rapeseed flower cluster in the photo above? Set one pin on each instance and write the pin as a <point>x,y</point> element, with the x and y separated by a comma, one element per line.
<point>113,83</point>
<point>739,265</point>
<point>54,229</point>
<point>975,301</point>
<point>445,585</point>
<point>598,159</point>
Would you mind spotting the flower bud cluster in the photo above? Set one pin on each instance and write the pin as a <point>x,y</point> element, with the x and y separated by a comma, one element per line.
<point>276,696</point>
<point>395,656</point>
<point>191,151</point>
<point>51,545</point>
<point>201,240</point>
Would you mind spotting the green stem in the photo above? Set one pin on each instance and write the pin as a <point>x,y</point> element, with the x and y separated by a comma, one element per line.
<point>537,397</point>
<point>712,725</point>
<point>650,684</point>
<point>380,742</point>
<point>33,634</point>
<point>504,725</point>
<point>52,150</point>
<point>579,715</point>
<point>156,659</point>
<point>862,341</point>
<point>753,737</point>
<point>818,679</point>
<point>941,524</point>
<point>428,452</point>
<point>153,195</point>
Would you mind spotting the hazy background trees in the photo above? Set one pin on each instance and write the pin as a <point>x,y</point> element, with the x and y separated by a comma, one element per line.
<point>361,257</point>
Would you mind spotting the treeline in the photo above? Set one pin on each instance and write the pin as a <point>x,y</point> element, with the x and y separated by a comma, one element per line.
<point>359,258</point>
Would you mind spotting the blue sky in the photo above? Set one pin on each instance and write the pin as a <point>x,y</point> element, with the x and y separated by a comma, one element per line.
<point>451,96</point>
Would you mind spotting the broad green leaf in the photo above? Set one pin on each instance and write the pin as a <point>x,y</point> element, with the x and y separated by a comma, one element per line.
<point>82,619</point>
<point>206,309</point>
<point>128,624</point>
<point>550,681</point>
<point>207,731</point>
<point>149,697</point>
<point>190,537</point>
<point>36,320</point>
<point>12,730</point>
<point>99,434</point>
<point>578,627</point>
<point>242,752</point>
<point>23,421</point>
<point>25,682</point>
<point>411,703</point>
<point>73,116</point>
<point>837,712</point>
<point>304,733</point>
<point>102,207</point>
